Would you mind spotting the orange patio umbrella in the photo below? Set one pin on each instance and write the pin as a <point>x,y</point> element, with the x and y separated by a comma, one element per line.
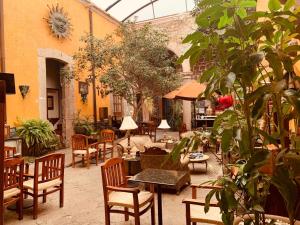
<point>189,91</point>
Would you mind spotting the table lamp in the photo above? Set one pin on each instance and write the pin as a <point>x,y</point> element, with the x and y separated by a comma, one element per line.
<point>128,124</point>
<point>164,126</point>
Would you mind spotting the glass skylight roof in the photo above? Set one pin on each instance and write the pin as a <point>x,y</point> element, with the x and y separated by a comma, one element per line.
<point>158,9</point>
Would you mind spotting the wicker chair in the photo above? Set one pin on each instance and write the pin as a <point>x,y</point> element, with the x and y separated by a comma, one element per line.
<point>13,183</point>
<point>117,194</point>
<point>48,178</point>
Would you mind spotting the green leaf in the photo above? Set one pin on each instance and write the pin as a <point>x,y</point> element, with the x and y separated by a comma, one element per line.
<point>241,12</point>
<point>274,5</point>
<point>268,138</point>
<point>276,64</point>
<point>208,199</point>
<point>286,186</point>
<point>226,140</point>
<point>251,97</point>
<point>258,107</point>
<point>289,4</point>
<point>248,4</point>
<point>257,160</point>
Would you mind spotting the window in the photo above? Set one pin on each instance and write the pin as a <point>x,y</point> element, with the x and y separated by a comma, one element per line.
<point>118,106</point>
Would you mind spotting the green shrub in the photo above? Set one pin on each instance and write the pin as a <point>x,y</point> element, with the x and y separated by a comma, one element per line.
<point>38,135</point>
<point>82,125</point>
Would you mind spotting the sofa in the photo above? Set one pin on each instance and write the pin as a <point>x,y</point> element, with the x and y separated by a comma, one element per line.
<point>157,158</point>
<point>137,143</point>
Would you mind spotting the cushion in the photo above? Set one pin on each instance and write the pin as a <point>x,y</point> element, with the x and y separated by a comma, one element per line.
<point>150,144</point>
<point>42,186</point>
<point>84,152</point>
<point>124,199</point>
<point>212,216</point>
<point>11,192</point>
<point>107,145</point>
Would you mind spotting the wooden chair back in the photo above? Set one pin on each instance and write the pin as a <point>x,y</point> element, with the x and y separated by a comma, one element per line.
<point>51,166</point>
<point>107,135</point>
<point>9,152</point>
<point>113,173</point>
<point>13,173</point>
<point>79,142</point>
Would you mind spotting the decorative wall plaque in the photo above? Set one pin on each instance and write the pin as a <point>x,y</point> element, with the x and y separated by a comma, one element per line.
<point>59,22</point>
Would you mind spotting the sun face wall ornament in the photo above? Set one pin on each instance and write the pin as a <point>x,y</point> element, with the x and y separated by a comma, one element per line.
<point>59,22</point>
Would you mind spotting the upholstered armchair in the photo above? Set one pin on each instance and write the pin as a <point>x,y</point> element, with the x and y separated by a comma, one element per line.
<point>157,158</point>
<point>137,143</point>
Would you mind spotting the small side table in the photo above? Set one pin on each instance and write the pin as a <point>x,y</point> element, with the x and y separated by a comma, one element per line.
<point>202,159</point>
<point>133,165</point>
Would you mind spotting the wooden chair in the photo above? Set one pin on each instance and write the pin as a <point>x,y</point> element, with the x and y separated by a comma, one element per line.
<point>117,194</point>
<point>9,152</point>
<point>195,209</point>
<point>107,138</point>
<point>81,148</point>
<point>13,183</point>
<point>48,178</point>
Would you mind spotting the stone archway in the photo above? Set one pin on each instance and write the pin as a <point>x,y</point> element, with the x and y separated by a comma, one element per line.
<point>68,98</point>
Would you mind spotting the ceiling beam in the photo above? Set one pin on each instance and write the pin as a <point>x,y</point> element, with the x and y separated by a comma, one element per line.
<point>112,5</point>
<point>139,9</point>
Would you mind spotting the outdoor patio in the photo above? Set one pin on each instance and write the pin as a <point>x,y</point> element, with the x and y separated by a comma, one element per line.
<point>84,198</point>
<point>150,112</point>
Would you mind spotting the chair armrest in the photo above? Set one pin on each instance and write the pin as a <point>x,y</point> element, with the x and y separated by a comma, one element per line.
<point>123,189</point>
<point>197,202</point>
<point>95,145</point>
<point>203,186</point>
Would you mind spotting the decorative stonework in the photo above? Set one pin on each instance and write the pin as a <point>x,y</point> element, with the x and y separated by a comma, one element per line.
<point>68,97</point>
<point>59,22</point>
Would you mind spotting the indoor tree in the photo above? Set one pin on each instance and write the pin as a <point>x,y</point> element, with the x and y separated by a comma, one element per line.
<point>140,65</point>
<point>89,62</point>
<point>254,54</point>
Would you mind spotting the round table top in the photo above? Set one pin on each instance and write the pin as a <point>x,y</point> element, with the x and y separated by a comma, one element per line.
<point>202,159</point>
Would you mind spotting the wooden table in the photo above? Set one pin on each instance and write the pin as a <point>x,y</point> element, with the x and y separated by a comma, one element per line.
<point>202,159</point>
<point>159,177</point>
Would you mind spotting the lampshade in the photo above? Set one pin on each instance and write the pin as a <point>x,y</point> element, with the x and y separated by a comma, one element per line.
<point>163,125</point>
<point>128,124</point>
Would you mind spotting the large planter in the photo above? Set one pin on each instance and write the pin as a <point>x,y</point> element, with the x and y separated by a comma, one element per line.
<point>279,220</point>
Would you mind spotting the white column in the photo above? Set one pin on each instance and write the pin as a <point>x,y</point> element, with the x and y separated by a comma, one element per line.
<point>42,88</point>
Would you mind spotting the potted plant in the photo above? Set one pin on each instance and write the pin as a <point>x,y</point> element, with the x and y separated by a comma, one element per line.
<point>82,125</point>
<point>38,136</point>
<point>253,54</point>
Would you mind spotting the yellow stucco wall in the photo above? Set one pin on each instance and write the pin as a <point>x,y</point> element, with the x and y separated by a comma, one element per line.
<point>26,31</point>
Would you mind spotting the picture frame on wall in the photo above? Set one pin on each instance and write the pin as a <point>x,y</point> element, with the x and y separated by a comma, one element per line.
<point>83,87</point>
<point>50,102</point>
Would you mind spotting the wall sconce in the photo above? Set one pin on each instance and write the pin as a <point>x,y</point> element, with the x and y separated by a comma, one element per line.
<point>24,89</point>
<point>102,90</point>
<point>83,91</point>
